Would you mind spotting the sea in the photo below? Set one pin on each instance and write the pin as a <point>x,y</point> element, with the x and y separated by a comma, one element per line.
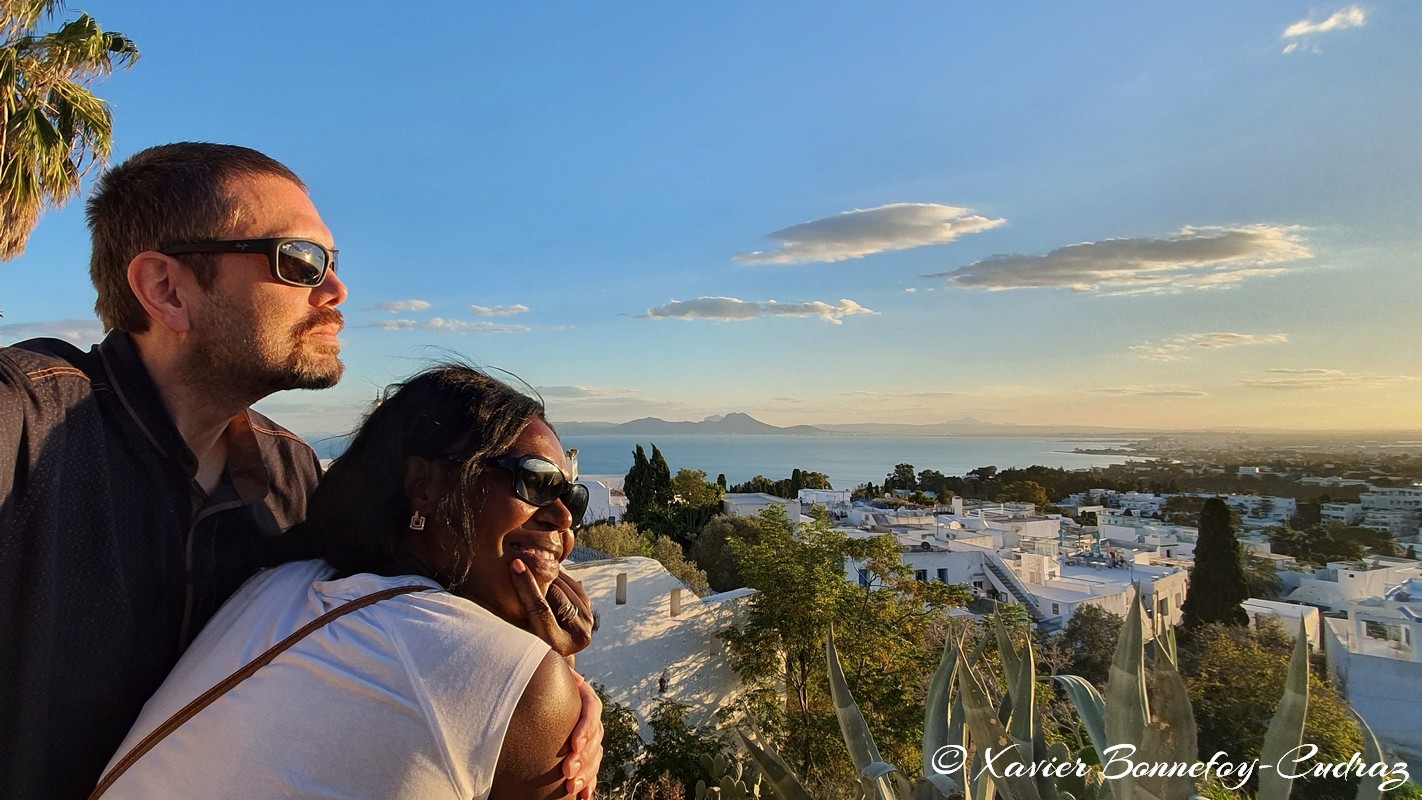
<point>848,460</point>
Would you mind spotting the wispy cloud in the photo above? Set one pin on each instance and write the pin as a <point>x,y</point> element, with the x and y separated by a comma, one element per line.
<point>1177,348</point>
<point>74,331</point>
<point>1149,391</point>
<point>499,311</point>
<point>396,306</point>
<point>1298,33</point>
<point>862,232</point>
<point>1193,259</point>
<point>446,326</point>
<point>583,392</point>
<point>1295,379</point>
<point>729,309</point>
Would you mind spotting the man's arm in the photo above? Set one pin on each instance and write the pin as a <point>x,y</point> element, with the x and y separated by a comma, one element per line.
<point>531,760</point>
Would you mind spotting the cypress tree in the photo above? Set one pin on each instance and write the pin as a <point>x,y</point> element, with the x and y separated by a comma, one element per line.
<point>1217,585</point>
<point>637,486</point>
<point>659,479</point>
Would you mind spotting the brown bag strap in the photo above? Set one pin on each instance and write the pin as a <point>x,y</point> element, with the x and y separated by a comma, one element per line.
<point>206,699</point>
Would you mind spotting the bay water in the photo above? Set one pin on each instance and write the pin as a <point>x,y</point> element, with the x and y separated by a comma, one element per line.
<point>848,460</point>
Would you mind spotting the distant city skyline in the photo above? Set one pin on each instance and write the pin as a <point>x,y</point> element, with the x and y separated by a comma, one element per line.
<point>1114,215</point>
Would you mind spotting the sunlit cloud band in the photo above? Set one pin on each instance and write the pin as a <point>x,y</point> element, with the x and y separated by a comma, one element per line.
<point>1193,259</point>
<point>730,309</point>
<point>862,232</point>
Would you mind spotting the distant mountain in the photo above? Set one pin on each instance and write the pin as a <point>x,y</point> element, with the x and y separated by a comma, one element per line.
<point>968,426</point>
<point>733,423</point>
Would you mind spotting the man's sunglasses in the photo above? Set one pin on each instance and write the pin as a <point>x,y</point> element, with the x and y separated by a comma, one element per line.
<point>299,262</point>
<point>540,482</point>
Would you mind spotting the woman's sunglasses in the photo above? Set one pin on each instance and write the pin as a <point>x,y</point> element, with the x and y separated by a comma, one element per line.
<point>298,262</point>
<point>540,482</point>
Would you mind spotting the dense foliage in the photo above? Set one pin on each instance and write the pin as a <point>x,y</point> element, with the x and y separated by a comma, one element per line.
<point>1217,584</point>
<point>885,628</point>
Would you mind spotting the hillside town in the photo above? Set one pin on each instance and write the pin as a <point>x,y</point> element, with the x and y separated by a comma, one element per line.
<point>1101,548</point>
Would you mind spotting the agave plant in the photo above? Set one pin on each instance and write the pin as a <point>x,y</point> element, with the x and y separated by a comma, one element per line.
<point>1145,707</point>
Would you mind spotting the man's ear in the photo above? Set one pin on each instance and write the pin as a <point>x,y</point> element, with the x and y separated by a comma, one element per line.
<point>165,287</point>
<point>425,484</point>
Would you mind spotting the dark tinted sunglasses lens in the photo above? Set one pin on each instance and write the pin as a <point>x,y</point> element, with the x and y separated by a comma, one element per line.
<point>576,500</point>
<point>302,263</point>
<point>542,481</point>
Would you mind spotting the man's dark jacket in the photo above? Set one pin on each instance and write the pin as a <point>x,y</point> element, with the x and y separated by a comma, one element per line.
<point>111,556</point>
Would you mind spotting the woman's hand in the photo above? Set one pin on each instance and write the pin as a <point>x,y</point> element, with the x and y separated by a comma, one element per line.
<point>562,618</point>
<point>585,757</point>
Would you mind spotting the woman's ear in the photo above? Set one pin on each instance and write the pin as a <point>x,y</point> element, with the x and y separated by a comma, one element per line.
<point>426,483</point>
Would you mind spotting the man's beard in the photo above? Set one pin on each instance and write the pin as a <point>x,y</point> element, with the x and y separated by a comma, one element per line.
<point>236,353</point>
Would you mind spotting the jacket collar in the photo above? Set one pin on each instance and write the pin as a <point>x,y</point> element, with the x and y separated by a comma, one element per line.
<point>123,370</point>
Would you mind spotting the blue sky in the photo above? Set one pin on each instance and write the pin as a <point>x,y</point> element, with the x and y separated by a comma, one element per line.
<point>1119,214</point>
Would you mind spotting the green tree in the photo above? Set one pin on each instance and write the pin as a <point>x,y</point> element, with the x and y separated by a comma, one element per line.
<point>904,477</point>
<point>676,748</point>
<point>1217,585</point>
<point>621,742</point>
<point>1025,492</point>
<point>659,478</point>
<point>638,485</point>
<point>617,540</point>
<point>882,626</point>
<point>690,488</point>
<point>1262,578</point>
<point>712,551</point>
<point>1235,676</point>
<point>1089,641</point>
<point>53,129</point>
<point>671,556</point>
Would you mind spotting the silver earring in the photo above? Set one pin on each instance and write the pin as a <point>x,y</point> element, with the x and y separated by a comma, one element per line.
<point>417,521</point>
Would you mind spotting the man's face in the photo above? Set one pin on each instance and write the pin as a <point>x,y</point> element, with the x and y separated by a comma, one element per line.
<point>252,335</point>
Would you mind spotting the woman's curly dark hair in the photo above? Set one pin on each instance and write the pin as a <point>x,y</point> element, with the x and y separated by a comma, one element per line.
<point>358,519</point>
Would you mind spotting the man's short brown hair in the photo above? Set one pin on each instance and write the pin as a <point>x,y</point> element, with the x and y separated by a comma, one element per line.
<point>163,196</point>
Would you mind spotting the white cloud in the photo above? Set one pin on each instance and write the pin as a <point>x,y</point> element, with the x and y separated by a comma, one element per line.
<point>1294,379</point>
<point>1175,348</point>
<point>82,332</point>
<point>396,306</point>
<point>499,311</point>
<point>446,326</point>
<point>1194,258</point>
<point>1348,17</point>
<point>1150,391</point>
<point>583,392</point>
<point>727,309</point>
<point>1300,31</point>
<point>862,232</point>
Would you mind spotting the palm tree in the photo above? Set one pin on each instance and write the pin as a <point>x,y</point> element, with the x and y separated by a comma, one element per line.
<point>52,128</point>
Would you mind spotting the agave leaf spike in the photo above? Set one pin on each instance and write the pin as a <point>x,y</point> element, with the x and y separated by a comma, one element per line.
<point>862,750</point>
<point>1369,787</point>
<point>937,724</point>
<point>1089,707</point>
<point>774,769</point>
<point>1286,729</point>
<point>1129,708</point>
<point>988,733</point>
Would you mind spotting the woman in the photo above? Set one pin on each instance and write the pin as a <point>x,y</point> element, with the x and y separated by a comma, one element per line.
<point>456,489</point>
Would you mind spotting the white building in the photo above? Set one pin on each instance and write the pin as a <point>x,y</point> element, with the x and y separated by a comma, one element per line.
<point>750,504</point>
<point>1392,509</point>
<point>1335,586</point>
<point>1289,616</point>
<point>1376,658</point>
<point>605,498</point>
<point>836,501</point>
<point>1343,513</point>
<point>656,638</point>
<point>1028,560</point>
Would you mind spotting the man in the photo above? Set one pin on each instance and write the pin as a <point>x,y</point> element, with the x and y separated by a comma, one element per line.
<point>137,487</point>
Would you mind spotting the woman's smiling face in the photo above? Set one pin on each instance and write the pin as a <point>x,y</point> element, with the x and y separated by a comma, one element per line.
<point>509,529</point>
